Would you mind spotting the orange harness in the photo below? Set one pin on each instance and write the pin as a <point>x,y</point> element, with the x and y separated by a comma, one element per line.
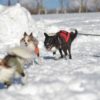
<point>36,51</point>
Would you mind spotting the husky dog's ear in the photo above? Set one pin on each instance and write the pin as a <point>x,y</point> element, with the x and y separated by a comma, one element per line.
<point>31,34</point>
<point>25,34</point>
<point>45,34</point>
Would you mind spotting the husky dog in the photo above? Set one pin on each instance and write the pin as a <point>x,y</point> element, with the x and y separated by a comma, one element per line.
<point>61,40</point>
<point>13,63</point>
<point>30,42</point>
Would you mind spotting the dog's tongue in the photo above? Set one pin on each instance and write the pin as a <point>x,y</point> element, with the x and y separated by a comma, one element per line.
<point>36,51</point>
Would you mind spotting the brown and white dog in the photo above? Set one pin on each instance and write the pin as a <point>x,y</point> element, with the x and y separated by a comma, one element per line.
<point>31,43</point>
<point>13,63</point>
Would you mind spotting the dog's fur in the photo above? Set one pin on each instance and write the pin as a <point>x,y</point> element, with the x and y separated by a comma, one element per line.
<point>29,41</point>
<point>59,43</point>
<point>11,64</point>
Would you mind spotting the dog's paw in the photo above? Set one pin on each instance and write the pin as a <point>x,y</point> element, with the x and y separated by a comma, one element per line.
<point>58,58</point>
<point>54,53</point>
<point>65,57</point>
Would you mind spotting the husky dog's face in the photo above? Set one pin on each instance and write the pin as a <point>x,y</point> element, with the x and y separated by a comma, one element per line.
<point>26,39</point>
<point>49,42</point>
<point>29,41</point>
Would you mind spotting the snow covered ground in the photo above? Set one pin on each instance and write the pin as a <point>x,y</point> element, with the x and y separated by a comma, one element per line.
<point>76,79</point>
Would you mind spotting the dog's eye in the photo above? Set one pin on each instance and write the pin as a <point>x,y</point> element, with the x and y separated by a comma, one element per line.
<point>28,40</point>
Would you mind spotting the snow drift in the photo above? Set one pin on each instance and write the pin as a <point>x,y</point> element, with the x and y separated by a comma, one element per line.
<point>14,21</point>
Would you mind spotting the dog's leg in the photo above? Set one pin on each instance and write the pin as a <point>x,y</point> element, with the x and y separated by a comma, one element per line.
<point>54,52</point>
<point>61,53</point>
<point>65,52</point>
<point>69,50</point>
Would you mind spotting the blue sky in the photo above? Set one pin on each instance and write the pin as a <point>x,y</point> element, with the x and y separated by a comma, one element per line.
<point>2,1</point>
<point>47,3</point>
<point>51,3</point>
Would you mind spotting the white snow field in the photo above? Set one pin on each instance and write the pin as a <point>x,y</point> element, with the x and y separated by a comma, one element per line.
<point>14,21</point>
<point>76,79</point>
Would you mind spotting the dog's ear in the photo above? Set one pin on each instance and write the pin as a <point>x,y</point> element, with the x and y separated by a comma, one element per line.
<point>31,34</point>
<point>57,34</point>
<point>46,35</point>
<point>25,34</point>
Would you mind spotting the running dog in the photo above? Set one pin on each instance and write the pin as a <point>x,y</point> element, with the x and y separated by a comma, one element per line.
<point>62,41</point>
<point>30,42</point>
<point>13,63</point>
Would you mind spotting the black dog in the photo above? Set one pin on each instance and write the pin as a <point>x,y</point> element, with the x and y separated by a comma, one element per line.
<point>61,40</point>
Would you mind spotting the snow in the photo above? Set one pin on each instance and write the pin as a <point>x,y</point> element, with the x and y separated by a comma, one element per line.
<point>14,21</point>
<point>76,79</point>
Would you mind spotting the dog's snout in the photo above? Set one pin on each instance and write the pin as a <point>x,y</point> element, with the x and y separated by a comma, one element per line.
<point>25,43</point>
<point>47,44</point>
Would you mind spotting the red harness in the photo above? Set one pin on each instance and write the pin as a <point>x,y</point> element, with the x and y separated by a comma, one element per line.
<point>65,35</point>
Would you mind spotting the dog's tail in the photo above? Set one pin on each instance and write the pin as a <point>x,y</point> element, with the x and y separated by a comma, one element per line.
<point>74,34</point>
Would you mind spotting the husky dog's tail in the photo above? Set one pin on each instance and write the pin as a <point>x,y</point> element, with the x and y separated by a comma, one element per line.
<point>74,34</point>
<point>21,52</point>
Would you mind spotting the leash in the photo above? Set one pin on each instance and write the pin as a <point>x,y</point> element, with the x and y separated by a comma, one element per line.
<point>89,34</point>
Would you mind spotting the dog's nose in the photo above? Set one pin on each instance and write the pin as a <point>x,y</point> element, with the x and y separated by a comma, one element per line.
<point>25,43</point>
<point>22,74</point>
